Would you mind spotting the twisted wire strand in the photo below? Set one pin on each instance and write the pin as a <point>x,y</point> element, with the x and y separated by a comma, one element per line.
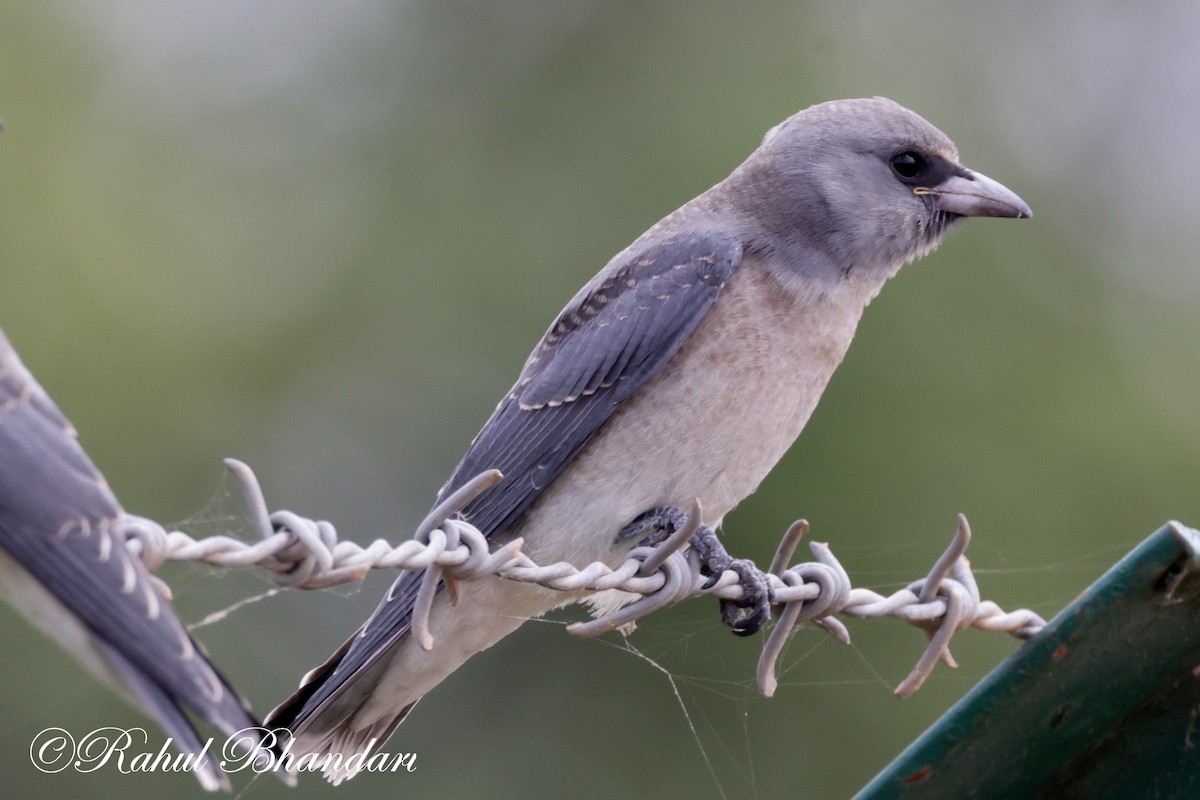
<point>302,553</point>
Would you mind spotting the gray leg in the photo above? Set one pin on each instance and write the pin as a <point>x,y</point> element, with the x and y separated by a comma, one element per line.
<point>746,616</point>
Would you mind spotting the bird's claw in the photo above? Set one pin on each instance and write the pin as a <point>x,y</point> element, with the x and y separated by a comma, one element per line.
<point>747,616</point>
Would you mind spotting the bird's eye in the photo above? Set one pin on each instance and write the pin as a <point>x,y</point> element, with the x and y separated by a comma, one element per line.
<point>908,164</point>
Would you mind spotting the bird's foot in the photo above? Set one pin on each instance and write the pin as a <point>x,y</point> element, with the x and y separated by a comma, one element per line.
<point>746,616</point>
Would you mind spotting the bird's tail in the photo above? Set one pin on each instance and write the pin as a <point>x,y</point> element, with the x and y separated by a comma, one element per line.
<point>343,752</point>
<point>322,735</point>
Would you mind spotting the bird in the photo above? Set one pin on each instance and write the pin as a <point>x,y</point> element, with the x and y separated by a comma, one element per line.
<point>684,369</point>
<point>64,566</point>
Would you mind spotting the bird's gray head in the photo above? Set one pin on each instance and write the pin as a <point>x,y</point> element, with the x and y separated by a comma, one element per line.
<point>863,185</point>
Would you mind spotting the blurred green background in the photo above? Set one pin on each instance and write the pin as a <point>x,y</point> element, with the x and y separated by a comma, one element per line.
<point>322,237</point>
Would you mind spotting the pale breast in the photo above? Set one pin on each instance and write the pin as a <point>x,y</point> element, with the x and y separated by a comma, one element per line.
<point>713,423</point>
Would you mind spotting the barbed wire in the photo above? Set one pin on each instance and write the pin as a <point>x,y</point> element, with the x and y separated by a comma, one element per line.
<point>303,553</point>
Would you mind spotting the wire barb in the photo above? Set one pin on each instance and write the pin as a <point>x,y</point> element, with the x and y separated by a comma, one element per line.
<point>301,553</point>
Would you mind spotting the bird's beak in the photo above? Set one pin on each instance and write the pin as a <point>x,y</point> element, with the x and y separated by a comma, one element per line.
<point>974,194</point>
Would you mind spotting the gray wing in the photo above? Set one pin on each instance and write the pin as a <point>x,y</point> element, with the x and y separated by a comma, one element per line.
<point>601,349</point>
<point>57,518</point>
<point>613,336</point>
